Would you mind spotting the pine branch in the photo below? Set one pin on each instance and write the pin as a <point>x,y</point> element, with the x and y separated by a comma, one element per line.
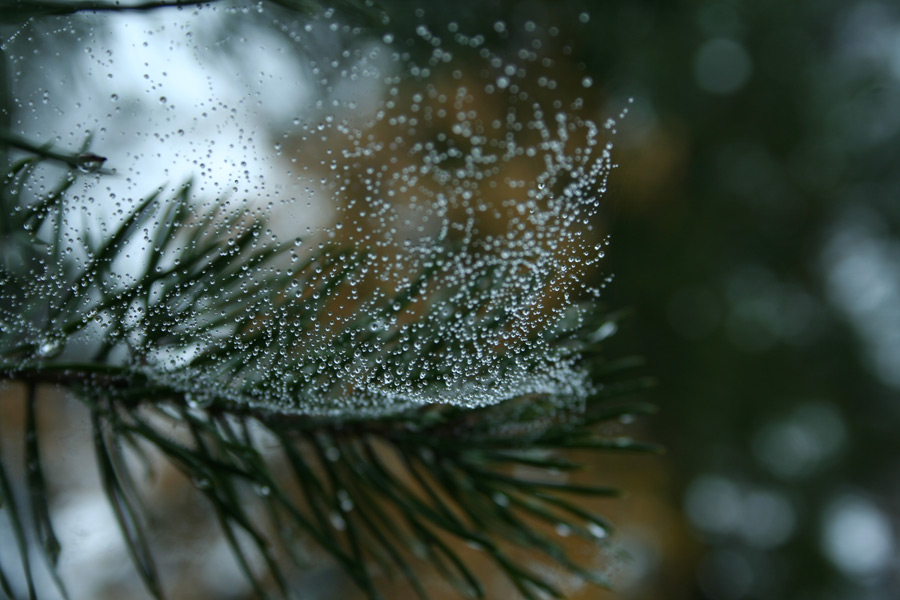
<point>459,458</point>
<point>19,11</point>
<point>404,419</point>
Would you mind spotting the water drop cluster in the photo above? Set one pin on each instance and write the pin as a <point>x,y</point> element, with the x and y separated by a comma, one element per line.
<point>458,254</point>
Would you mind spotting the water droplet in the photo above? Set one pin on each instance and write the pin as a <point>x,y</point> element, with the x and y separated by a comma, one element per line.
<point>49,348</point>
<point>198,400</point>
<point>89,162</point>
<point>597,531</point>
<point>337,521</point>
<point>604,331</point>
<point>345,501</point>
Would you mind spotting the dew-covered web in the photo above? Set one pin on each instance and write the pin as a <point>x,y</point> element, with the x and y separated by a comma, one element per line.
<point>430,213</point>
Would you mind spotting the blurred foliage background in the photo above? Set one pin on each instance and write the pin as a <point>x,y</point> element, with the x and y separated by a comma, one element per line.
<point>755,234</point>
<point>755,230</point>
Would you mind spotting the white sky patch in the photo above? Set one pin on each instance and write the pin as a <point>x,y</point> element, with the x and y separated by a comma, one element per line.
<point>169,97</point>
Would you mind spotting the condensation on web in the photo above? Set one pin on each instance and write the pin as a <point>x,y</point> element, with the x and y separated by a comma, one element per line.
<point>438,195</point>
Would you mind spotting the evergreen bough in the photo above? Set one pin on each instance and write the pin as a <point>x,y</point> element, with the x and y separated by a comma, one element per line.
<point>380,491</point>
